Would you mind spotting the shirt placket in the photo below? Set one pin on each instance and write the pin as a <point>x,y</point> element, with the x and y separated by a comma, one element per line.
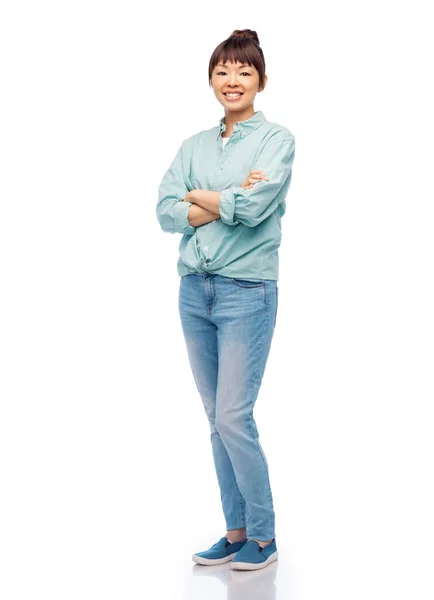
<point>208,238</point>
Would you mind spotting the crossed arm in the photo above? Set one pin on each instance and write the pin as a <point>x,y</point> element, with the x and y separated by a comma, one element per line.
<point>180,210</point>
<point>250,204</point>
<point>204,207</point>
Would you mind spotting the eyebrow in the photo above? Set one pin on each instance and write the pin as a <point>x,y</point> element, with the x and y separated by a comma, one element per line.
<point>221,65</point>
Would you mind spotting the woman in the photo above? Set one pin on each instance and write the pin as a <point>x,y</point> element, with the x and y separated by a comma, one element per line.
<point>225,191</point>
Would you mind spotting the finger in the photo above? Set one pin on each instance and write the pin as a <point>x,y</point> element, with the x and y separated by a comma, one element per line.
<point>260,176</point>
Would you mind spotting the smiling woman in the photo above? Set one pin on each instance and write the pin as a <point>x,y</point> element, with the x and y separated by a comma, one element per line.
<point>241,47</point>
<point>236,72</point>
<point>228,200</point>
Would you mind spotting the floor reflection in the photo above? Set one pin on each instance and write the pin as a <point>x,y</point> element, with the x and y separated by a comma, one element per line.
<point>243,585</point>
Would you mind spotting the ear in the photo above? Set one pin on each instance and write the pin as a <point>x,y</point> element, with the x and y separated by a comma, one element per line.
<point>265,83</point>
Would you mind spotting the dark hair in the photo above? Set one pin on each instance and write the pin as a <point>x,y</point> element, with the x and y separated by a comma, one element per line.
<point>241,46</point>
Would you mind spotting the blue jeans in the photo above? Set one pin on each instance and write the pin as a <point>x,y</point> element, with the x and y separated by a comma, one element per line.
<point>228,324</point>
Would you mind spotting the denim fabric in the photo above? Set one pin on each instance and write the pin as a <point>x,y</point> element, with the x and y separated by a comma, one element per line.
<point>228,324</point>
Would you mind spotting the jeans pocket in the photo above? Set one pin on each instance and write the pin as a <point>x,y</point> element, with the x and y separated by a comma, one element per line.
<point>246,283</point>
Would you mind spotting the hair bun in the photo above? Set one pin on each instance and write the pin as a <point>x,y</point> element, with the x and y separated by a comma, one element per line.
<point>245,34</point>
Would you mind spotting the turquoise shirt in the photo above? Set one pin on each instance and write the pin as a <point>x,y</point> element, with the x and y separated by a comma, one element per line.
<point>244,241</point>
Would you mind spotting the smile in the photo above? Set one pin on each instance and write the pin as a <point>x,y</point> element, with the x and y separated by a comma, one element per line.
<point>233,94</point>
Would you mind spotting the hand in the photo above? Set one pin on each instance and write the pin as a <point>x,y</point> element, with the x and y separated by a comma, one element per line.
<point>254,177</point>
<point>189,197</point>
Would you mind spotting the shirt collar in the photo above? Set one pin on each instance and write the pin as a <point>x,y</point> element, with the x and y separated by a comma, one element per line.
<point>245,127</point>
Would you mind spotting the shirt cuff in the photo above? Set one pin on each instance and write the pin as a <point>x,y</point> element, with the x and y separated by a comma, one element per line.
<point>180,212</point>
<point>227,207</point>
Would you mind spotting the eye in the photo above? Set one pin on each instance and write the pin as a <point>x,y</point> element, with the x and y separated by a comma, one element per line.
<point>223,73</point>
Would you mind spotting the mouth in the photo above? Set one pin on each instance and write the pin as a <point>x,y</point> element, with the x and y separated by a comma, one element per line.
<point>233,95</point>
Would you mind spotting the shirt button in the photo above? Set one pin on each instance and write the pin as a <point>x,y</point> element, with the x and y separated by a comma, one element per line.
<point>244,133</point>
<point>205,247</point>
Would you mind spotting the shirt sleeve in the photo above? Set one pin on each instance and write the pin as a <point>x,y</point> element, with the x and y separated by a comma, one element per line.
<point>251,206</point>
<point>171,210</point>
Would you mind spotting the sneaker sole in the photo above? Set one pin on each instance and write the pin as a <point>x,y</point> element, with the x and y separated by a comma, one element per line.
<point>201,560</point>
<point>242,566</point>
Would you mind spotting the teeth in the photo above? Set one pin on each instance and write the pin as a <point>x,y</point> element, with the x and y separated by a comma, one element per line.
<point>233,95</point>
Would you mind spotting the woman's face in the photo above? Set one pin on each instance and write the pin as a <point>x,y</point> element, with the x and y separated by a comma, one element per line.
<point>238,78</point>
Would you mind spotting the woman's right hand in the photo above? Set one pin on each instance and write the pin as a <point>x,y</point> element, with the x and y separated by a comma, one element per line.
<point>254,177</point>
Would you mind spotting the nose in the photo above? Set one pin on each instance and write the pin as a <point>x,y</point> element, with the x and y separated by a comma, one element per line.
<point>233,82</point>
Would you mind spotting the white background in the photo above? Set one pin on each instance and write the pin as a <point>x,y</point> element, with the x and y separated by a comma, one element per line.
<point>107,480</point>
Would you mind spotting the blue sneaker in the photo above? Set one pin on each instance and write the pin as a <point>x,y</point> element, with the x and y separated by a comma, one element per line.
<point>252,556</point>
<point>221,552</point>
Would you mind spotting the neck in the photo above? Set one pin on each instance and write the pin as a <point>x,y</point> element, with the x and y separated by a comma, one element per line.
<point>232,117</point>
